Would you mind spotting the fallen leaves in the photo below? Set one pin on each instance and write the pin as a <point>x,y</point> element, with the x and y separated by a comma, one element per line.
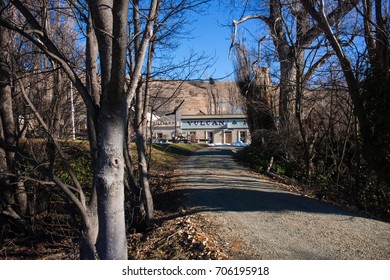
<point>180,238</point>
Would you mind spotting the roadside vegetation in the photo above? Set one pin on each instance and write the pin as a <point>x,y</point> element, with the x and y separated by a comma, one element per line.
<point>55,225</point>
<point>357,187</point>
<point>321,117</point>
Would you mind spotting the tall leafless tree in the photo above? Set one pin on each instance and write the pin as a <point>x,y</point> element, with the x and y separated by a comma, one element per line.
<point>370,97</point>
<point>171,18</point>
<point>255,86</point>
<point>103,215</point>
<point>13,196</point>
<point>291,45</point>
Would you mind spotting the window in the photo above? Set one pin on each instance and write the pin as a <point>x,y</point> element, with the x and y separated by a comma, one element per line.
<point>210,137</point>
<point>242,136</point>
<point>192,136</point>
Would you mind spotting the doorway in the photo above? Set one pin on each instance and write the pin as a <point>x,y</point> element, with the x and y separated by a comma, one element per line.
<point>228,137</point>
<point>210,137</point>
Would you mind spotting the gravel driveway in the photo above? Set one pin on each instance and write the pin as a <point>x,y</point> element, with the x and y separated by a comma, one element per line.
<point>262,221</point>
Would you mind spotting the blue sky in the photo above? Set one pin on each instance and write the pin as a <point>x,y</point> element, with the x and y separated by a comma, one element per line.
<point>210,34</point>
<point>212,38</point>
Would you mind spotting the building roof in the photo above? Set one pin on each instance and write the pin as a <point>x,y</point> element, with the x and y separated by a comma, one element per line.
<point>208,117</point>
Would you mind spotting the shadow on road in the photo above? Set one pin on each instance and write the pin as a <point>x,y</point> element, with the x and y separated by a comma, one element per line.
<point>212,181</point>
<point>273,222</point>
<point>247,200</point>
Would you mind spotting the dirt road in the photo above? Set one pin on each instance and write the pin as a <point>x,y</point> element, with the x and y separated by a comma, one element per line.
<point>259,220</point>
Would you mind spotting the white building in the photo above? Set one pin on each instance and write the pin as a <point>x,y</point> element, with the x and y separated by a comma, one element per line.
<point>163,129</point>
<point>216,129</point>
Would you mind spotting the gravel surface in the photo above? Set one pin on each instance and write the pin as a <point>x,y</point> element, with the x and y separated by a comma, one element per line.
<point>257,219</point>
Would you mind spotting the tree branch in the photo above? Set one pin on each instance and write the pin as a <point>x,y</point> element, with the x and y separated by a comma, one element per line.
<point>236,23</point>
<point>343,8</point>
<point>48,47</point>
<point>317,65</point>
<point>57,145</point>
<point>148,33</point>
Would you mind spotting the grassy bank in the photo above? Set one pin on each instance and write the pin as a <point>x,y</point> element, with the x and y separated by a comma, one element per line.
<point>55,220</point>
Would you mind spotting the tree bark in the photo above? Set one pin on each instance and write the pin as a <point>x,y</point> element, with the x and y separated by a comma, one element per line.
<point>142,160</point>
<point>111,243</point>
<point>110,20</point>
<point>89,234</point>
<point>17,193</point>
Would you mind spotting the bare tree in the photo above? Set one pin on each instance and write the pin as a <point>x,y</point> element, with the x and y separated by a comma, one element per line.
<point>13,196</point>
<point>171,17</point>
<point>370,98</point>
<point>103,215</point>
<point>255,86</point>
<point>281,17</point>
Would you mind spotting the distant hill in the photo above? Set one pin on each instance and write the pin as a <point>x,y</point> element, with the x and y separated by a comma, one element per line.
<point>199,97</point>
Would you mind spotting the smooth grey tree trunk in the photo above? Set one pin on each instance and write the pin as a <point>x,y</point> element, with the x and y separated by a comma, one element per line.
<point>111,241</point>
<point>110,21</point>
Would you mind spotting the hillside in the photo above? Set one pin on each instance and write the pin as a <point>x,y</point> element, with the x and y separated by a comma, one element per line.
<point>199,97</point>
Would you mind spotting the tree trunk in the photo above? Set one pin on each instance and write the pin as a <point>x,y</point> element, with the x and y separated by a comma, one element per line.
<point>110,21</point>
<point>111,243</point>
<point>89,234</point>
<point>57,104</point>
<point>17,195</point>
<point>287,87</point>
<point>134,190</point>
<point>144,180</point>
<point>142,160</point>
<point>370,100</point>
<point>107,116</point>
<point>140,105</point>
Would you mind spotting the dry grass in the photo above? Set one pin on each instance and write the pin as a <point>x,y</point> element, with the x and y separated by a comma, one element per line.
<point>177,236</point>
